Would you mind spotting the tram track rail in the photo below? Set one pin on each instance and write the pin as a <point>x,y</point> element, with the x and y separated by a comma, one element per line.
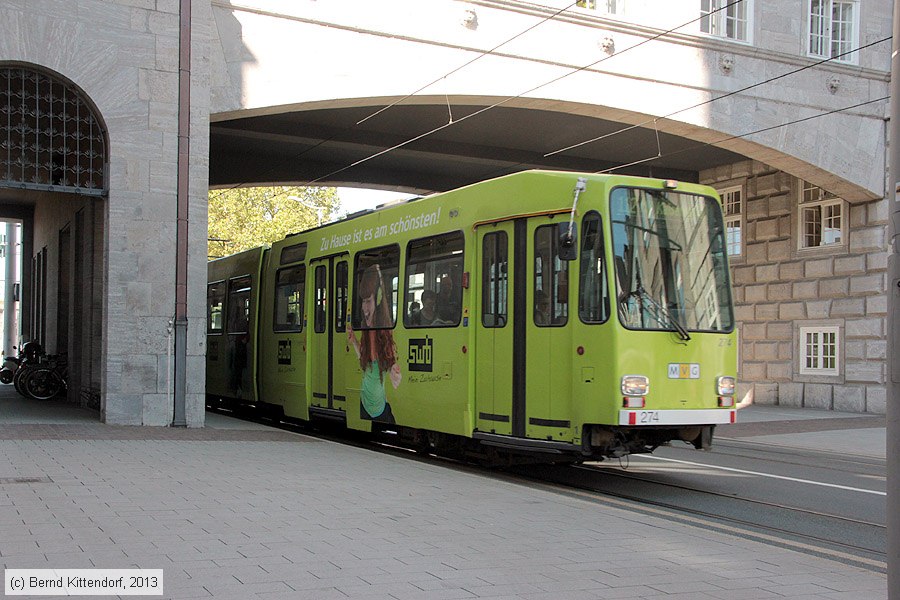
<point>792,456</point>
<point>728,514</point>
<point>671,500</point>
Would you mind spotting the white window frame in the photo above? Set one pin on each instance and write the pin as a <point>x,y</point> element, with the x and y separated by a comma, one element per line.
<point>815,199</point>
<point>737,18</point>
<point>609,7</point>
<point>820,351</point>
<point>734,216</point>
<point>827,35</point>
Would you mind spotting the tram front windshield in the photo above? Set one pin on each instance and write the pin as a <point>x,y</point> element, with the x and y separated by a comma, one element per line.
<point>671,269</point>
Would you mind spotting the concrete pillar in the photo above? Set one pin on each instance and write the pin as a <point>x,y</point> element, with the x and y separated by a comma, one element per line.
<point>10,329</point>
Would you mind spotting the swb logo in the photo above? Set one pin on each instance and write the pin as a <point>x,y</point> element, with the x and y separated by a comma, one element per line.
<point>420,354</point>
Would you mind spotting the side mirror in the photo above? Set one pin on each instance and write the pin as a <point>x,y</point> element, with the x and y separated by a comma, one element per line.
<point>568,242</point>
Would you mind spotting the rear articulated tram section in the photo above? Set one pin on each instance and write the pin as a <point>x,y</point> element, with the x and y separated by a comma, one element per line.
<point>541,316</point>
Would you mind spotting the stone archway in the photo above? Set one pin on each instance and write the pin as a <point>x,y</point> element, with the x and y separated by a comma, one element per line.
<point>54,170</point>
<point>51,137</point>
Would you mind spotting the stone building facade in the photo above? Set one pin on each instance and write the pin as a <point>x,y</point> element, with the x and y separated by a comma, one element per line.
<point>100,256</point>
<point>787,295</point>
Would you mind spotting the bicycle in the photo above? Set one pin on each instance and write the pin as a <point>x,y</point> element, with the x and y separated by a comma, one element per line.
<point>46,379</point>
<point>30,355</point>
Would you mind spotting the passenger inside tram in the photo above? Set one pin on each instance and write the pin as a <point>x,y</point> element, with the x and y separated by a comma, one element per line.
<point>447,301</point>
<point>425,315</point>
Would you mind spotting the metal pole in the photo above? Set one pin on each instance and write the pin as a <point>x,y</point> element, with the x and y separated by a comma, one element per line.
<point>893,337</point>
<point>182,203</point>
<point>10,333</point>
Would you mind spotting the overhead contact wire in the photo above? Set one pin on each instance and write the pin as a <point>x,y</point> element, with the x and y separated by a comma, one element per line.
<point>519,95</point>
<point>426,86</point>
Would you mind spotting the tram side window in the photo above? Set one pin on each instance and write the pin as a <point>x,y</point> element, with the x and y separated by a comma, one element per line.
<point>376,275</point>
<point>551,279</point>
<point>239,305</point>
<point>494,279</point>
<point>593,290</point>
<point>215,303</point>
<point>292,254</point>
<point>289,284</point>
<point>340,297</point>
<point>433,275</point>
<point>321,315</point>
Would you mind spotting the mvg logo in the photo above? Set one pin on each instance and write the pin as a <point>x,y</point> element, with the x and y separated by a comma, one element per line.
<point>421,357</point>
<point>684,371</point>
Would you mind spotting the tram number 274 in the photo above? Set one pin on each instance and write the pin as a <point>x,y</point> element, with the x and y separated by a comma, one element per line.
<point>647,417</point>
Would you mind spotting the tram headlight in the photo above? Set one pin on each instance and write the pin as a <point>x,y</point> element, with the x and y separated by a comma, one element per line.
<point>635,385</point>
<point>725,386</point>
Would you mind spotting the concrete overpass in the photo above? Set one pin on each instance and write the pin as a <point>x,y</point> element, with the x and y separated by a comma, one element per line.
<point>291,82</point>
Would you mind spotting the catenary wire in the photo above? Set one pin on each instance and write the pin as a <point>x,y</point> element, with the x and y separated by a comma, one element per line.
<point>466,64</point>
<point>765,129</point>
<point>660,154</point>
<point>711,100</point>
<point>519,95</point>
<point>485,109</point>
<point>424,87</point>
<point>577,70</point>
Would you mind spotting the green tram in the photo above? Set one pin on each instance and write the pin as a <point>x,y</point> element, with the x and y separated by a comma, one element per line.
<point>544,316</point>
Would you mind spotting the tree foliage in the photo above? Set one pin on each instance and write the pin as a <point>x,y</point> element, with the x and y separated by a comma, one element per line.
<point>244,218</point>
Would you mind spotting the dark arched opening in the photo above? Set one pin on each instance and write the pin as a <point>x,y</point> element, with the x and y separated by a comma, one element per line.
<point>54,179</point>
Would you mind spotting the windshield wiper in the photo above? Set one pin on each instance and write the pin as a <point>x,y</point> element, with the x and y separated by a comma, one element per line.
<point>662,312</point>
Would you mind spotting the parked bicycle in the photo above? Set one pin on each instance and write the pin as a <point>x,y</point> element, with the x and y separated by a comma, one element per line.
<point>29,355</point>
<point>36,375</point>
<point>46,379</point>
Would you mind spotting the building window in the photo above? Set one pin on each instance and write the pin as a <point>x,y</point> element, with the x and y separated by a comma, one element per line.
<point>819,350</point>
<point>733,209</point>
<point>611,7</point>
<point>821,218</point>
<point>726,19</point>
<point>833,29</point>
<point>52,139</point>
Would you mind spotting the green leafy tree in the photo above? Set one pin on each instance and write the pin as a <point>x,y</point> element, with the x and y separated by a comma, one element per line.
<point>243,218</point>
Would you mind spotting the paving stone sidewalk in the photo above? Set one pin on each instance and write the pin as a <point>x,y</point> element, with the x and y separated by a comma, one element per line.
<point>244,514</point>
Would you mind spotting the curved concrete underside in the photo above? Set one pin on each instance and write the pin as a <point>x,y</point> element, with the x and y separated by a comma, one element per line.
<point>428,144</point>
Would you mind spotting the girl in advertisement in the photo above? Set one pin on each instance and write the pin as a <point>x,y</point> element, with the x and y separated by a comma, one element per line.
<point>375,349</point>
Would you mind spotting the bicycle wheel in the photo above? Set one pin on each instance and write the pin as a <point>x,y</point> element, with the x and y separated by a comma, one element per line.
<point>42,384</point>
<point>19,377</point>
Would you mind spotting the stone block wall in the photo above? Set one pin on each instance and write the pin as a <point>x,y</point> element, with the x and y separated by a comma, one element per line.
<point>779,288</point>
<point>123,56</point>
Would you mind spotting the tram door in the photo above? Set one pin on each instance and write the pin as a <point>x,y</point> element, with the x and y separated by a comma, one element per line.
<point>548,360</point>
<point>328,333</point>
<point>522,342</point>
<point>494,329</point>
